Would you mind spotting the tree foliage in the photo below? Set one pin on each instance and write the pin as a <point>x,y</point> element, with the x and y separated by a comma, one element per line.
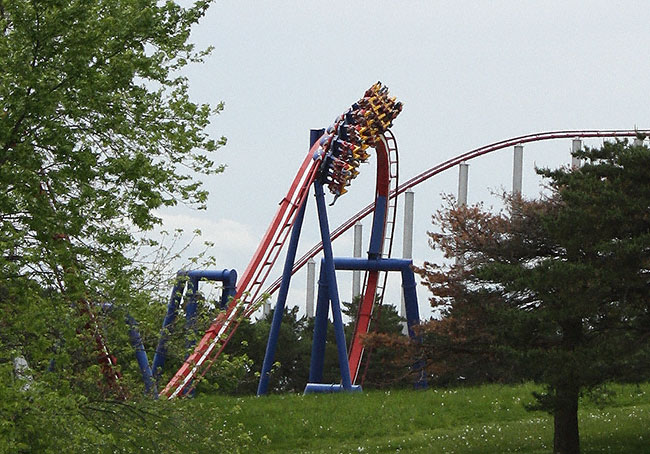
<point>383,365</point>
<point>554,290</point>
<point>97,132</point>
<point>238,373</point>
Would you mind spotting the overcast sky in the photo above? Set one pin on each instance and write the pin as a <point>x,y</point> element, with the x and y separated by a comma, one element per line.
<point>468,72</point>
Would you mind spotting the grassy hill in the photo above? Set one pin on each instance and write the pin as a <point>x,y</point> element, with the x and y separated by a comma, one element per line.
<point>486,419</point>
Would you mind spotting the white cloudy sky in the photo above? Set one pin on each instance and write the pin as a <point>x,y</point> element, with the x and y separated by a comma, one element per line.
<point>468,72</point>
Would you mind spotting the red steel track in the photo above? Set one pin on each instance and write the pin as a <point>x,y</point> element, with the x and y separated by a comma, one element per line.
<point>366,305</point>
<point>253,278</point>
<point>435,170</point>
<point>250,283</point>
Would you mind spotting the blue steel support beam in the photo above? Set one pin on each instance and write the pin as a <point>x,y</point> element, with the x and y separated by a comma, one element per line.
<point>320,330</point>
<point>353,264</point>
<point>190,312</point>
<point>172,310</point>
<point>333,291</point>
<point>412,319</point>
<point>229,288</point>
<point>408,281</point>
<point>141,357</point>
<point>410,300</point>
<point>274,332</point>
<point>378,224</point>
<point>323,388</point>
<point>229,277</point>
<point>191,295</point>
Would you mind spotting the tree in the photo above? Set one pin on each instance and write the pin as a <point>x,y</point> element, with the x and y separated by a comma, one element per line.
<point>382,364</point>
<point>291,363</point>
<point>555,290</point>
<point>97,131</point>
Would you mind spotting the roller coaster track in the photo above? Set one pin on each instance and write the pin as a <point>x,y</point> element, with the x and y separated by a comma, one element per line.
<point>380,243</point>
<point>435,170</point>
<point>250,284</point>
<point>337,154</point>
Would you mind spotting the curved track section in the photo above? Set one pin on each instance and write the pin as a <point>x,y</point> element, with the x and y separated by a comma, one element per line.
<point>333,159</point>
<point>253,278</point>
<point>377,246</point>
<point>424,176</point>
<point>391,214</point>
<point>250,284</point>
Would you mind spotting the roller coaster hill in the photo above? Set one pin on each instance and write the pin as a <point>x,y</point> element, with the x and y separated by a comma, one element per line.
<point>333,162</point>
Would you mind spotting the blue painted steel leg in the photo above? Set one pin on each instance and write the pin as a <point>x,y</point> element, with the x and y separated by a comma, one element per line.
<point>190,312</point>
<point>320,330</point>
<point>410,300</point>
<point>172,309</point>
<point>274,332</point>
<point>412,319</point>
<point>190,320</point>
<point>378,226</point>
<point>228,277</point>
<point>269,356</point>
<point>333,291</point>
<point>141,357</point>
<point>229,288</point>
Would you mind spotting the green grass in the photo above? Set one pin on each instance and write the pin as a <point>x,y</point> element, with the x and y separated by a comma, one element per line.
<point>486,419</point>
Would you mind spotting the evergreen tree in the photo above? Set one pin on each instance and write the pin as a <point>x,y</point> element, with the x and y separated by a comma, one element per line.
<point>555,290</point>
<point>291,362</point>
<point>382,364</point>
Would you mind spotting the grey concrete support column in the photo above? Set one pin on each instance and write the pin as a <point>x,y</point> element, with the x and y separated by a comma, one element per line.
<point>266,308</point>
<point>518,169</point>
<point>463,174</point>
<point>356,275</point>
<point>576,145</point>
<point>407,243</point>
<point>311,285</point>
<point>463,177</point>
<point>407,239</point>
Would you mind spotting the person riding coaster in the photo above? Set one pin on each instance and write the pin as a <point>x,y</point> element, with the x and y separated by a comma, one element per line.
<point>343,148</point>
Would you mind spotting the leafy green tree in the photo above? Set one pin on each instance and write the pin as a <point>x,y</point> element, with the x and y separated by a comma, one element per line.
<point>97,132</point>
<point>555,290</point>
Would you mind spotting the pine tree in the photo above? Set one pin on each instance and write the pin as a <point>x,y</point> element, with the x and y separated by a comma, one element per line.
<point>554,290</point>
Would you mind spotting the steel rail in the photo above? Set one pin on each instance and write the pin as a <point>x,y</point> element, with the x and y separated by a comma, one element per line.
<point>475,153</point>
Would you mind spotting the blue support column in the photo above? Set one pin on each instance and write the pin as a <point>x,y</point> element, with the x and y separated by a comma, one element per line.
<point>141,357</point>
<point>272,342</point>
<point>229,277</point>
<point>229,288</point>
<point>172,310</point>
<point>377,232</point>
<point>320,330</point>
<point>330,273</point>
<point>410,300</point>
<point>282,298</point>
<point>412,319</point>
<point>190,312</point>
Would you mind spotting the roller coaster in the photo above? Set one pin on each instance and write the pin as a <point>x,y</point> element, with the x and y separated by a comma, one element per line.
<point>333,161</point>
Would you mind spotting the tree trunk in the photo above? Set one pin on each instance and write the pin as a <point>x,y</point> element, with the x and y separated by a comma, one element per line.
<point>566,438</point>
